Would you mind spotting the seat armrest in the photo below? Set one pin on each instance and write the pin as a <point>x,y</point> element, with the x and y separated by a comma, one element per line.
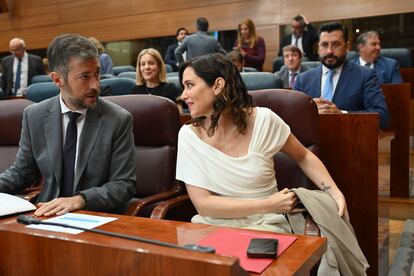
<point>136,207</point>
<point>162,208</point>
<point>30,194</point>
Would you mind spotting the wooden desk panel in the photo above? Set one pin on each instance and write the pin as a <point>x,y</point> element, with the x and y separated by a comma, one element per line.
<point>28,251</point>
<point>349,150</point>
<point>398,102</point>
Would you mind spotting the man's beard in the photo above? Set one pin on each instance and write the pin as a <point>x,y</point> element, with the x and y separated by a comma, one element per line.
<point>338,61</point>
<point>79,103</point>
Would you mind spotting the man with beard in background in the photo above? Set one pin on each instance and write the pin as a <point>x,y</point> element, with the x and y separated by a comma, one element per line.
<point>340,86</point>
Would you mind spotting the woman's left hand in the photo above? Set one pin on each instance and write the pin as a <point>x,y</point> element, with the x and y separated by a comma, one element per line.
<point>340,201</point>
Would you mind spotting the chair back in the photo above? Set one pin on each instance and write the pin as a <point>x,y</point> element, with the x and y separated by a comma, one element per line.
<point>41,78</point>
<point>119,86</point>
<point>260,80</point>
<point>175,80</point>
<point>300,112</point>
<point>156,125</point>
<point>169,68</point>
<point>249,69</point>
<point>277,63</point>
<point>172,74</point>
<point>40,91</point>
<point>351,55</point>
<point>129,75</point>
<point>311,64</point>
<point>107,76</point>
<point>125,68</point>
<point>11,115</point>
<point>402,55</point>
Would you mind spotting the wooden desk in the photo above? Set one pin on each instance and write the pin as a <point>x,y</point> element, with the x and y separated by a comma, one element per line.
<point>26,251</point>
<point>349,150</point>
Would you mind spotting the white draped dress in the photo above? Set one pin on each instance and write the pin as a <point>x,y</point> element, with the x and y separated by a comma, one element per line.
<point>248,177</point>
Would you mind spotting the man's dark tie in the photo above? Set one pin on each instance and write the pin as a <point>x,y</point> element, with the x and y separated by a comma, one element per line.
<point>17,79</point>
<point>368,64</point>
<point>296,41</point>
<point>69,154</point>
<point>292,79</point>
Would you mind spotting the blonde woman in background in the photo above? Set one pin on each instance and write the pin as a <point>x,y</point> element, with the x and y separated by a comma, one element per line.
<point>250,45</point>
<point>152,76</point>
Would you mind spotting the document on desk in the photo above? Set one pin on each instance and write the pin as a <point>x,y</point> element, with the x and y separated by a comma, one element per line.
<point>79,220</point>
<point>12,205</point>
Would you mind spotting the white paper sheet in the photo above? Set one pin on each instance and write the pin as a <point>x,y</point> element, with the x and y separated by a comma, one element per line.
<point>12,204</point>
<point>80,220</point>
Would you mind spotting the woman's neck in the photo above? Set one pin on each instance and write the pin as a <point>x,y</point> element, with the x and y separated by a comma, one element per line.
<point>152,83</point>
<point>225,123</point>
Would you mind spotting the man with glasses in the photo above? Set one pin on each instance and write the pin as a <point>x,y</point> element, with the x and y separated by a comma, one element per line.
<point>19,68</point>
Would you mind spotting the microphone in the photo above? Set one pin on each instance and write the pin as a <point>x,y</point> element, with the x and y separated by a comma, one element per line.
<point>27,220</point>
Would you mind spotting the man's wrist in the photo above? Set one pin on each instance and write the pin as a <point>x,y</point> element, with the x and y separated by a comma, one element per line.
<point>83,197</point>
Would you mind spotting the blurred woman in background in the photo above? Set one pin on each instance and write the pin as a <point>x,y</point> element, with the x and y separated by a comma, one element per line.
<point>251,46</point>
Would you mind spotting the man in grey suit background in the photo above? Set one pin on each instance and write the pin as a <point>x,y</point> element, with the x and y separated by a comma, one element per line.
<point>198,44</point>
<point>292,57</point>
<point>82,145</point>
<point>19,68</point>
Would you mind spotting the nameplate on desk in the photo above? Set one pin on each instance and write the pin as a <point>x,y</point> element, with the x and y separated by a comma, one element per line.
<point>13,205</point>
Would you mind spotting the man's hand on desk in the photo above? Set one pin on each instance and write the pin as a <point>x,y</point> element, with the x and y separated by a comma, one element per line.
<point>325,106</point>
<point>60,206</point>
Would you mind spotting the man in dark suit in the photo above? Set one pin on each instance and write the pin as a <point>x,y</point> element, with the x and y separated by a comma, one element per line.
<point>82,145</point>
<point>369,48</point>
<point>19,68</point>
<point>338,85</point>
<point>292,57</point>
<point>301,38</point>
<point>170,55</point>
<point>198,44</point>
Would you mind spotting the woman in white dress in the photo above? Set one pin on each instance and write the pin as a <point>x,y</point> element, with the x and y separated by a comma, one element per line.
<point>225,154</point>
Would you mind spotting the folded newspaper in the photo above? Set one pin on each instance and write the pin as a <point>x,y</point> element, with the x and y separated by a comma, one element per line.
<point>12,205</point>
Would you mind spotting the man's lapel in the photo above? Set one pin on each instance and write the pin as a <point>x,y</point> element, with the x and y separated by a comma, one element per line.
<point>343,82</point>
<point>316,79</point>
<point>90,133</point>
<point>52,130</point>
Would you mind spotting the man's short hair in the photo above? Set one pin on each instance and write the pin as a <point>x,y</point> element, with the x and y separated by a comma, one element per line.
<point>299,18</point>
<point>66,47</point>
<point>180,29</point>
<point>362,38</point>
<point>235,55</point>
<point>292,48</point>
<point>202,24</point>
<point>334,26</point>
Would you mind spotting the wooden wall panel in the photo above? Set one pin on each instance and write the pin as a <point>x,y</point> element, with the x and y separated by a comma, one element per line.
<point>322,10</point>
<point>38,21</point>
<point>152,24</point>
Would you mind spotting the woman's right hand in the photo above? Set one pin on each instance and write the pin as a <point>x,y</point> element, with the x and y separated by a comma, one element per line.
<point>284,201</point>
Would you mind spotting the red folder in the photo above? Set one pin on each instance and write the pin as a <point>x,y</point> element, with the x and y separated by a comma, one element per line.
<point>234,242</point>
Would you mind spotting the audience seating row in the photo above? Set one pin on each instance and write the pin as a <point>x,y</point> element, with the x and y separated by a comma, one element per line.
<point>125,81</point>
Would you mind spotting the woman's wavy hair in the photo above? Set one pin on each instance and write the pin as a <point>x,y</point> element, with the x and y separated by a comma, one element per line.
<point>162,75</point>
<point>234,97</point>
<point>253,35</point>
